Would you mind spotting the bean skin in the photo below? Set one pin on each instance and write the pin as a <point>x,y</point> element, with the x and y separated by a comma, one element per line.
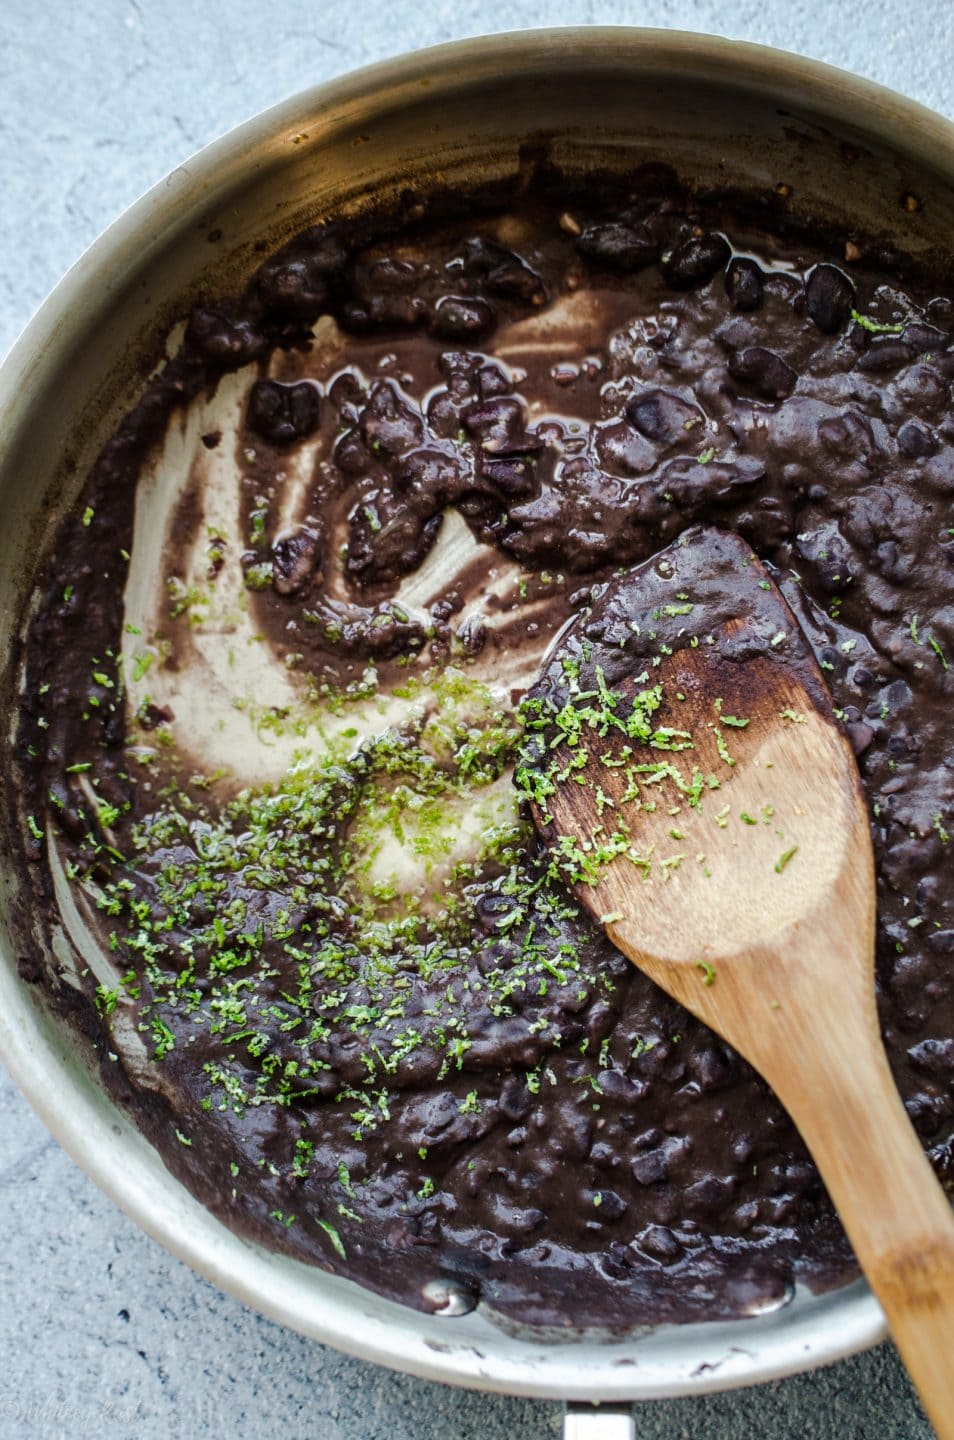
<point>618,247</point>
<point>283,414</point>
<point>829,298</point>
<point>763,371</point>
<point>696,261</point>
<point>743,284</point>
<point>462,318</point>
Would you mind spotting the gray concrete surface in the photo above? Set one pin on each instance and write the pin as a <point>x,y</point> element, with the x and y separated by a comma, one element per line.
<point>101,1332</point>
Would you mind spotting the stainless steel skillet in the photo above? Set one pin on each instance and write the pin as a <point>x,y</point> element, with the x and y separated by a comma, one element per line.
<point>718,111</point>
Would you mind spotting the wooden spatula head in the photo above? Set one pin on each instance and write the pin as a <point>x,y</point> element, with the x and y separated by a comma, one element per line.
<point>687,770</point>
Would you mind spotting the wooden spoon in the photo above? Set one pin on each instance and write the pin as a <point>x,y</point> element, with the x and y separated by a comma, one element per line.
<point>685,767</point>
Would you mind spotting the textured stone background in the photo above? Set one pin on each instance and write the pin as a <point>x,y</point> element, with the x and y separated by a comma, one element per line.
<point>101,1332</point>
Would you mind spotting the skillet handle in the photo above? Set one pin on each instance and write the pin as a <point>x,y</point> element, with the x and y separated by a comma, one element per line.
<point>598,1422</point>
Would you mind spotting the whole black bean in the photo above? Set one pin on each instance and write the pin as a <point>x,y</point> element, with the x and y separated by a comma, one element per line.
<point>430,470</point>
<point>491,381</point>
<point>847,435</point>
<point>743,284</point>
<point>293,560</point>
<point>299,285</point>
<point>925,339</point>
<point>695,261</point>
<point>662,416</point>
<point>941,309</point>
<point>352,456</point>
<point>618,246</point>
<point>497,422</point>
<point>622,451</point>
<point>392,274</point>
<point>347,390</point>
<point>388,423</point>
<point>490,909</point>
<point>829,297</point>
<point>510,474</point>
<point>396,549</point>
<point>621,1088</point>
<point>915,440</point>
<point>658,1242</point>
<point>607,1205</point>
<point>885,352</point>
<point>710,1194</point>
<point>649,1167</point>
<point>458,318</point>
<point>221,341</point>
<point>764,371</point>
<point>282,414</point>
<point>647,1139</point>
<point>891,561</point>
<point>860,735</point>
<point>711,1067</point>
<point>502,271</point>
<point>897,695</point>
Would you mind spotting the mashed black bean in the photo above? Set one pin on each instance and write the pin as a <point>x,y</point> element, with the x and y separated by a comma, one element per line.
<point>478,1088</point>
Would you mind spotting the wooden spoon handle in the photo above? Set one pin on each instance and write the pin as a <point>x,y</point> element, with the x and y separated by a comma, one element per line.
<point>894,1211</point>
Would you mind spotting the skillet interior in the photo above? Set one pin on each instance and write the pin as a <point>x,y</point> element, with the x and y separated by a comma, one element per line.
<point>719,112</point>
